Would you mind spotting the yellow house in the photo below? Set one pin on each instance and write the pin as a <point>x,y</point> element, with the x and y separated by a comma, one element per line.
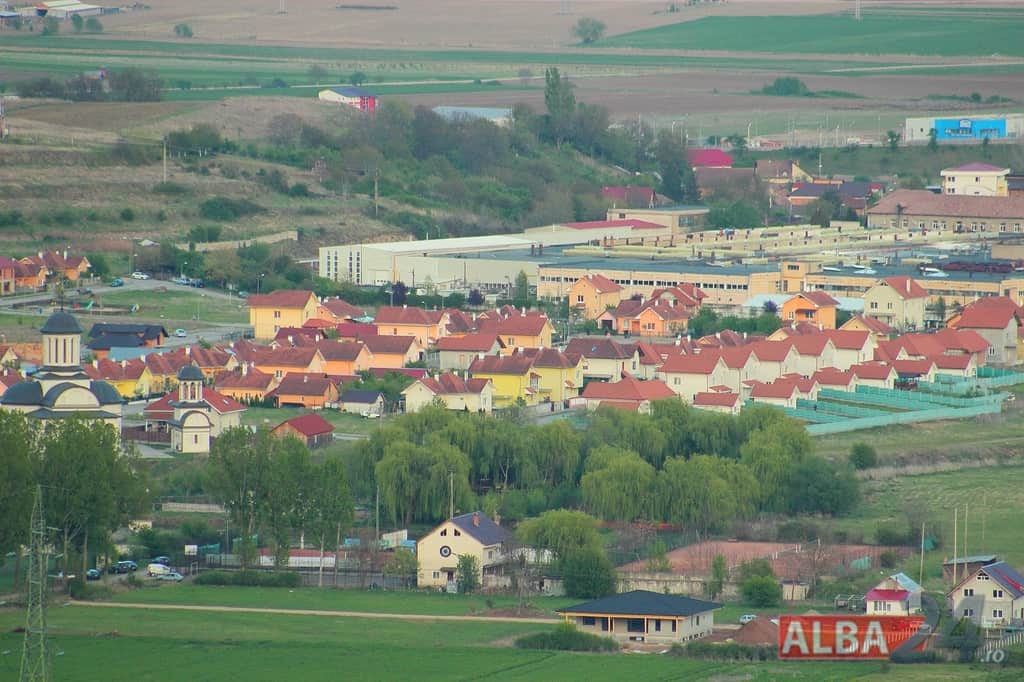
<point>525,330</point>
<point>245,385</point>
<point>268,313</point>
<point>513,378</point>
<point>281,361</point>
<point>898,302</point>
<point>594,294</point>
<point>426,325</point>
<point>560,375</point>
<point>472,534</point>
<point>457,394</point>
<point>975,179</point>
<point>131,378</point>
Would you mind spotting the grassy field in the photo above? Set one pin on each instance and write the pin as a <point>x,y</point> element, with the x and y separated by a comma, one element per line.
<point>993,494</point>
<point>111,645</point>
<point>179,304</point>
<point>889,33</point>
<point>342,421</point>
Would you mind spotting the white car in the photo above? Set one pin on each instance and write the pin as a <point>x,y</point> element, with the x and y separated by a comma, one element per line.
<point>139,275</point>
<point>746,618</point>
<point>180,333</point>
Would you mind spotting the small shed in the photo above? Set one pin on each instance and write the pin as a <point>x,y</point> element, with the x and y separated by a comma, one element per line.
<point>366,403</point>
<point>312,429</point>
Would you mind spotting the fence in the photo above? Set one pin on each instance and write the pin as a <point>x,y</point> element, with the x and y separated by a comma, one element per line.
<point>902,418</point>
<point>140,434</point>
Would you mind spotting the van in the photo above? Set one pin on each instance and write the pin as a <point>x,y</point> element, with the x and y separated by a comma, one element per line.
<point>155,569</point>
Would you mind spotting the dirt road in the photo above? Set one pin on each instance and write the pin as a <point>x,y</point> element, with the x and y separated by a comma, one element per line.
<point>314,612</point>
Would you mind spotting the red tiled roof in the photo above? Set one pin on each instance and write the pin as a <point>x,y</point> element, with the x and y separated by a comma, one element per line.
<point>601,348</point>
<point>771,351</point>
<point>809,345</point>
<point>346,351</point>
<point>735,358</point>
<point>252,379</point>
<point>111,370</point>
<point>9,377</point>
<point>520,325</point>
<point>304,383</point>
<point>872,370</point>
<point>833,377</point>
<point>994,312</point>
<point>628,389</point>
<point>408,315</point>
<point>317,323</point>
<point>290,334</point>
<point>301,356</point>
<point>632,195</point>
<point>715,399</point>
<point>875,325</point>
<point>818,298</point>
<point>308,425</point>
<point>964,340</point>
<point>495,364</point>
<point>283,298</point>
<point>714,158</point>
<point>702,363</point>
<point>779,388</point>
<point>848,339</point>
<point>960,362</point>
<point>460,322</point>
<point>220,403</point>
<point>913,366</point>
<point>478,343</point>
<point>352,330</point>
<point>383,345</point>
<point>602,284</point>
<point>342,309</point>
<point>921,202</point>
<point>876,594</point>
<point>906,287</point>
<point>450,383</point>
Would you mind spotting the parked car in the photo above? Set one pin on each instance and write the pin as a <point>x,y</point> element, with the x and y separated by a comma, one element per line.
<point>746,618</point>
<point>155,569</point>
<point>139,275</point>
<point>123,567</point>
<point>243,294</point>
<point>84,291</point>
<point>117,282</point>
<point>180,333</point>
<point>180,280</point>
<point>171,575</point>
<point>198,283</point>
<point>166,561</point>
<point>93,574</point>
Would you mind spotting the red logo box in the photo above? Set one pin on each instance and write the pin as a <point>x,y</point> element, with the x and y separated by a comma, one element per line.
<point>844,637</point>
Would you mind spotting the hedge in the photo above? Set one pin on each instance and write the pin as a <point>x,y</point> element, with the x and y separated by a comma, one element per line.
<point>727,651</point>
<point>567,638</point>
<point>248,579</point>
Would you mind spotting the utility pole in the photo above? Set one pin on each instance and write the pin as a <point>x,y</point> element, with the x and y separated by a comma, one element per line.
<point>376,195</point>
<point>920,570</point>
<point>956,566</point>
<point>965,529</point>
<point>451,494</point>
<point>377,512</point>
<point>165,160</point>
<point>35,660</point>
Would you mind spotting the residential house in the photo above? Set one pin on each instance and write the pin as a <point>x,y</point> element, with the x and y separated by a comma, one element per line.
<point>775,358</point>
<point>311,429</point>
<point>605,359</point>
<point>520,330</point>
<point>962,566</point>
<point>780,172</point>
<point>870,324</point>
<point>781,393</point>
<point>105,336</point>
<point>247,384</point>
<point>642,616</point>
<point>813,352</point>
<point>996,319</point>
<point>741,363</point>
<point>426,325</point>
<point>628,393</point>
<point>725,402</point>
<point>282,361</point>
<point>964,342</point>
<point>897,595</point>
<point>353,331</point>
<point>961,366</point>
<point>561,374</point>
<point>992,596</point>
<point>305,389</point>
<point>459,323</point>
<point>472,534</point>
<point>345,357</point>
<point>8,267</point>
<point>816,307</point>
<point>307,335</point>
<point>210,361</point>
<point>853,195</point>
<point>393,352</point>
<point>688,375</point>
<point>630,197</point>
<point>29,275</point>
<point>9,377</point>
<point>336,310</point>
<point>852,346</point>
<point>875,374</point>
<point>593,295</point>
<point>8,356</point>
<point>366,403</point>
<point>975,179</point>
<point>195,414</point>
<point>708,158</point>
<point>898,302</point>
<point>131,378</point>
<point>457,393</point>
<point>59,264</point>
<point>912,371</point>
<point>457,352</point>
<point>350,96</point>
<point>836,380</point>
<point>268,313</point>
<point>513,378</point>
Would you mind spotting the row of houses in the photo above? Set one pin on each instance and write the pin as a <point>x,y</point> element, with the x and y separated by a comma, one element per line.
<point>33,272</point>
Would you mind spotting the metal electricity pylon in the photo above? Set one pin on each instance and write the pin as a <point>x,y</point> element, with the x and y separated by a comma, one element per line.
<point>35,660</point>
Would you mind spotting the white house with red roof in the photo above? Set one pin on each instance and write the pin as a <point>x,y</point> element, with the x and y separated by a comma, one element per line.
<point>781,393</point>
<point>194,414</point>
<point>975,179</point>
<point>775,358</point>
<point>897,595</point>
<point>457,393</point>
<point>629,394</point>
<point>725,402</point>
<point>877,374</point>
<point>998,320</point>
<point>852,346</point>
<point>836,379</point>
<point>688,375</point>
<point>813,352</point>
<point>898,302</point>
<point>458,352</point>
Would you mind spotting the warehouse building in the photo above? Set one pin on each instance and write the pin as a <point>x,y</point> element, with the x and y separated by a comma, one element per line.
<point>970,128</point>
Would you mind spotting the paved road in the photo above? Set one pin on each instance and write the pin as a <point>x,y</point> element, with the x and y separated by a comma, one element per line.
<point>315,612</point>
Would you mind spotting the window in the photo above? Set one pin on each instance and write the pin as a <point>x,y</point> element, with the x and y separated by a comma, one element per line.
<point>673,626</point>
<point>968,591</point>
<point>874,305</point>
<point>889,306</point>
<point>444,533</point>
<point>997,613</point>
<point>657,625</point>
<point>983,576</point>
<point>997,594</point>
<point>589,621</point>
<point>698,620</point>
<point>879,605</point>
<point>676,381</point>
<point>277,314</point>
<point>635,625</point>
<point>968,613</point>
<point>456,532</point>
<point>195,439</point>
<point>579,298</point>
<point>604,625</point>
<point>792,267</point>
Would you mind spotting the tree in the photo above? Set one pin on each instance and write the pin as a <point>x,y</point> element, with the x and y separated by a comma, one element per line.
<point>561,105</point>
<point>357,78</point>
<point>239,476</point>
<point>863,456</point>
<point>402,565</point>
<point>892,139</point>
<point>99,264</point>
<point>283,130</point>
<point>287,496</point>
<point>672,166</point>
<point>819,486</point>
<point>93,25</point>
<point>761,591</point>
<point>562,531</point>
<point>467,573</point>
<point>135,85</point>
<point>657,559</point>
<point>933,140</point>
<point>183,30</point>
<point>330,505</point>
<point>621,490</point>
<point>588,574</point>
<point>475,298</point>
<point>525,75</point>
<point>718,575</point>
<point>738,143</point>
<point>77,22</point>
<point>317,73</point>
<point>50,26</point>
<point>588,30</point>
<point>17,479</point>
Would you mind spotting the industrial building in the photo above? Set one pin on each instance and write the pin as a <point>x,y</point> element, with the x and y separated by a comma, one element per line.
<point>970,127</point>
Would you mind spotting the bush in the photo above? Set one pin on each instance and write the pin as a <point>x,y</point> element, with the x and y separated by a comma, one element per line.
<point>299,189</point>
<point>726,651</point>
<point>127,215</point>
<point>249,579</point>
<point>224,208</point>
<point>587,573</point>
<point>863,456</point>
<point>170,188</point>
<point>891,535</point>
<point>888,559</point>
<point>761,591</point>
<point>566,637</point>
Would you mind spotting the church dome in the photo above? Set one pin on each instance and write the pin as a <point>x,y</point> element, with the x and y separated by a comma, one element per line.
<point>61,323</point>
<point>105,393</point>
<point>190,373</point>
<point>23,393</point>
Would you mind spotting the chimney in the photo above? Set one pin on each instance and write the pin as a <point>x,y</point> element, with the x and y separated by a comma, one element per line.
<point>404,306</point>
<point>908,285</point>
<point>124,363</point>
<point>188,351</point>
<point>305,378</point>
<point>476,518</point>
<point>291,340</point>
<point>245,368</point>
<point>480,355</point>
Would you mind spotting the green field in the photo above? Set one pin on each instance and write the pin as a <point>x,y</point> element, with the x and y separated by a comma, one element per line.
<point>179,304</point>
<point>993,494</point>
<point>342,421</point>
<point>110,645</point>
<point>889,33</point>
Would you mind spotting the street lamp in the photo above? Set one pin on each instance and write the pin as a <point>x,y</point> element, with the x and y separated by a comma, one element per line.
<point>181,273</point>
<point>258,281</point>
